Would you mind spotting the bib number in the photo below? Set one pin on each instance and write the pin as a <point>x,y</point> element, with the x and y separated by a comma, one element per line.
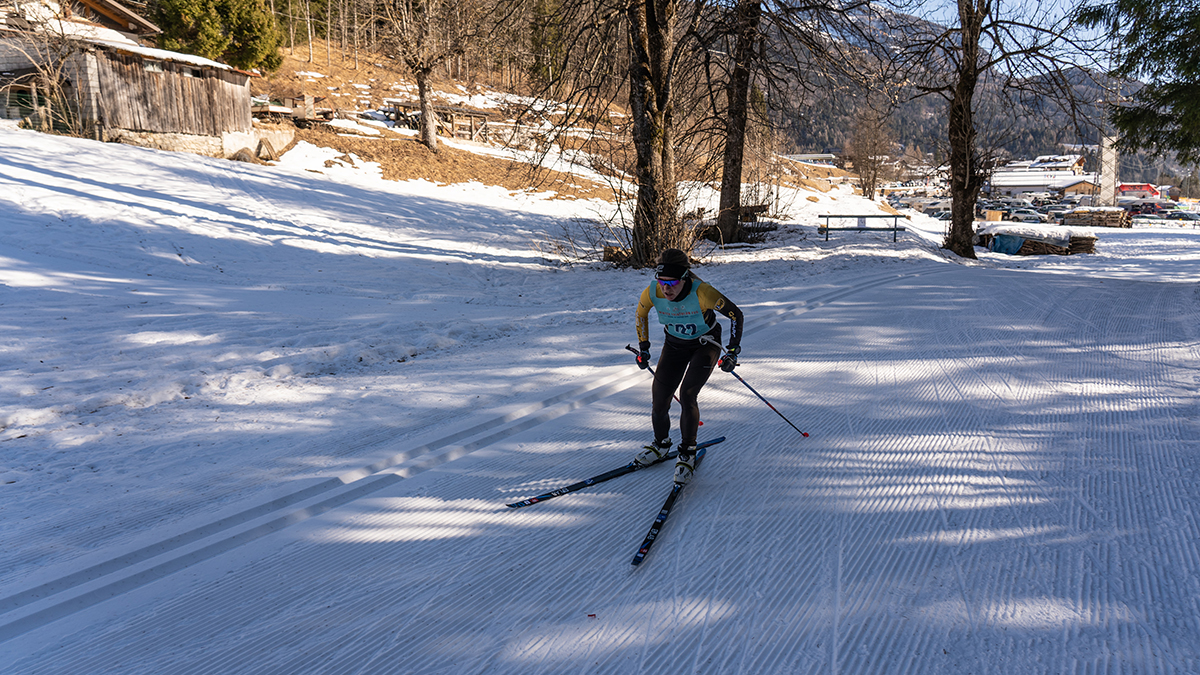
<point>684,329</point>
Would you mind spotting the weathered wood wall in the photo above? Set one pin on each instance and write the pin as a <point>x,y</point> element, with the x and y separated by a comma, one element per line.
<point>131,97</point>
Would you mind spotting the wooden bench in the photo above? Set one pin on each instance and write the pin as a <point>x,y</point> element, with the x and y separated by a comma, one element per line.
<point>862,224</point>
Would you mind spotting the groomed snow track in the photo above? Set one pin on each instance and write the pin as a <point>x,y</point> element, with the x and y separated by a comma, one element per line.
<point>943,429</point>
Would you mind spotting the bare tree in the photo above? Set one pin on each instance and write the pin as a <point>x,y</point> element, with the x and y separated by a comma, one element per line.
<point>427,33</point>
<point>588,70</point>
<point>653,54</point>
<point>870,147</point>
<point>1020,52</point>
<point>747,15</point>
<point>309,25</point>
<point>52,79</point>
<point>689,73</point>
<point>782,43</point>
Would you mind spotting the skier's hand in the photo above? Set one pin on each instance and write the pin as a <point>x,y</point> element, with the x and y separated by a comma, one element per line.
<point>729,361</point>
<point>643,355</point>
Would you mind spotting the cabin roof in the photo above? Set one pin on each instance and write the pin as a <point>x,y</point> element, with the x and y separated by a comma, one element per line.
<point>120,14</point>
<point>162,54</point>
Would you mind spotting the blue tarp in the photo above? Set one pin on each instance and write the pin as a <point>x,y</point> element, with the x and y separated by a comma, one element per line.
<point>1006,243</point>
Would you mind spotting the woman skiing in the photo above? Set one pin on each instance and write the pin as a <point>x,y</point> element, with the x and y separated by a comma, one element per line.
<point>686,306</point>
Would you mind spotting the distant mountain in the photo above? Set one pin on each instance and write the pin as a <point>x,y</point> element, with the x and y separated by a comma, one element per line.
<point>821,119</point>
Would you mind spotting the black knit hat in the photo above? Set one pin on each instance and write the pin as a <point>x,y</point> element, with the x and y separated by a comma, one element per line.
<point>672,264</point>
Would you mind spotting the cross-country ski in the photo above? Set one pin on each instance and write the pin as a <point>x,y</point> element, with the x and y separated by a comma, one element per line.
<point>661,519</point>
<point>600,478</point>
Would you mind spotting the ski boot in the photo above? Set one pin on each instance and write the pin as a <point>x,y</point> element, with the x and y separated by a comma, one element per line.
<point>653,452</point>
<point>685,466</point>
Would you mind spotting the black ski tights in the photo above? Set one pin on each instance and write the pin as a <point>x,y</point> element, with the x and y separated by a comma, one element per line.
<point>690,364</point>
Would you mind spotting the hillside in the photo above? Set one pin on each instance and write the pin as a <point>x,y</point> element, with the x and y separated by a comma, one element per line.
<point>400,157</point>
<point>348,86</point>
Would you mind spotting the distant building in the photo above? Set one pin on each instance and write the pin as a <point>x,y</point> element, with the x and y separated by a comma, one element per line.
<point>1049,173</point>
<point>1084,186</point>
<point>1139,191</point>
<point>822,158</point>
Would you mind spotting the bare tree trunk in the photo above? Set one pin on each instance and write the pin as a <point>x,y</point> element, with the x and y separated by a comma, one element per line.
<point>308,24</point>
<point>651,32</point>
<point>428,116</point>
<point>747,15</point>
<point>966,179</point>
<point>871,142</point>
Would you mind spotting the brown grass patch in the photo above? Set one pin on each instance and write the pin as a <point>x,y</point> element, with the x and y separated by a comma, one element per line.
<point>343,80</point>
<point>815,171</point>
<point>405,158</point>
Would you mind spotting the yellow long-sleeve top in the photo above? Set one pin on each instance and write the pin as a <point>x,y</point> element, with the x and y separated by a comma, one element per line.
<point>690,315</point>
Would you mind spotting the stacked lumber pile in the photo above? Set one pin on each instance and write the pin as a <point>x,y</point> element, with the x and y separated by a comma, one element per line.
<point>1077,245</point>
<point>1098,217</point>
<point>1026,239</point>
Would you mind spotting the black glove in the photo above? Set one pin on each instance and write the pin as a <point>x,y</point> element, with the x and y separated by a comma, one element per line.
<point>643,357</point>
<point>729,360</point>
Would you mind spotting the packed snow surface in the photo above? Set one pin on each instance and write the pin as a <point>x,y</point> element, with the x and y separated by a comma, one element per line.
<point>267,419</point>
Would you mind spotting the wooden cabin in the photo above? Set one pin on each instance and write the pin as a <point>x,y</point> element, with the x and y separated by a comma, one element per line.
<point>122,91</point>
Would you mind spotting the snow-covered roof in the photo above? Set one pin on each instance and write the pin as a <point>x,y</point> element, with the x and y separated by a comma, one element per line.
<point>1041,180</point>
<point>1054,162</point>
<point>1043,163</point>
<point>45,17</point>
<point>161,54</point>
<point>117,13</point>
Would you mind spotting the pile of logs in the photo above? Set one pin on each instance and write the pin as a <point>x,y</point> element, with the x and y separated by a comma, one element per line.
<point>1077,245</point>
<point>1111,217</point>
<point>1034,247</point>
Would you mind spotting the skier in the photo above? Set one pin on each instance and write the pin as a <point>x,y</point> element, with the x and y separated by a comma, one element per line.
<point>686,307</point>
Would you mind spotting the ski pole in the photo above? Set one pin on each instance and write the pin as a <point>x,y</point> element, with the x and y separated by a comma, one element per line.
<point>630,348</point>
<point>708,340</point>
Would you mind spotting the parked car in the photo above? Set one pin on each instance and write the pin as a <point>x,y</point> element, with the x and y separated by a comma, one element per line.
<point>1027,216</point>
<point>1189,216</point>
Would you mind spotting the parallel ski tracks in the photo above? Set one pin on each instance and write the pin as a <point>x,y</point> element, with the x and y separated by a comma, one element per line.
<point>38,605</point>
<point>961,457</point>
<point>1110,579</point>
<point>894,507</point>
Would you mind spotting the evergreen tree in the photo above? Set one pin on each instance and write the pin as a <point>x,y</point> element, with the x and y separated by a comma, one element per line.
<point>242,33</point>
<point>1156,40</point>
<point>546,40</point>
